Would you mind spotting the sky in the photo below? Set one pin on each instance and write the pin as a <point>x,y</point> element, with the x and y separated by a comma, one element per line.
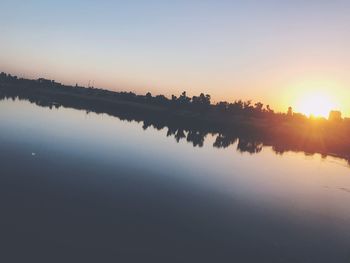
<point>283,53</point>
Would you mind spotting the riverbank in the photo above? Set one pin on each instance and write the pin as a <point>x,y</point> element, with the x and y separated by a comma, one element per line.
<point>193,121</point>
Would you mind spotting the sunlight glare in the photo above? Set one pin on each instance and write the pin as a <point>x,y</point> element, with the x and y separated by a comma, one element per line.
<point>316,104</point>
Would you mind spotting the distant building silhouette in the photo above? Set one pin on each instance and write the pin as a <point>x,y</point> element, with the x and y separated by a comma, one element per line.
<point>48,82</point>
<point>290,112</point>
<point>335,116</point>
<point>45,81</point>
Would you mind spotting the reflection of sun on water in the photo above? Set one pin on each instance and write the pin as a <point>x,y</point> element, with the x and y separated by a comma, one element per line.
<point>316,104</point>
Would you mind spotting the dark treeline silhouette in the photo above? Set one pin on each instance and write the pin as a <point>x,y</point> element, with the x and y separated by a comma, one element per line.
<point>198,104</point>
<point>248,126</point>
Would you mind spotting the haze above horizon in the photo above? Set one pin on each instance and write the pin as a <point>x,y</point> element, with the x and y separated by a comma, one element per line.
<point>278,52</point>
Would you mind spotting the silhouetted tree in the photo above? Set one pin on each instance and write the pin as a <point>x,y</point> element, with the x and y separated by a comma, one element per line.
<point>224,140</point>
<point>259,107</point>
<point>269,110</point>
<point>222,106</point>
<point>180,134</point>
<point>249,145</point>
<point>183,99</point>
<point>149,96</point>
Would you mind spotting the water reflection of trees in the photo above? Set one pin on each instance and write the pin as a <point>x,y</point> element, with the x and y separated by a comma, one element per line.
<point>194,135</point>
<point>244,139</point>
<point>197,138</point>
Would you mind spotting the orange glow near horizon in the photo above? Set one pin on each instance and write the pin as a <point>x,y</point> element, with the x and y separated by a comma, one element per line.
<point>316,104</point>
<point>317,98</point>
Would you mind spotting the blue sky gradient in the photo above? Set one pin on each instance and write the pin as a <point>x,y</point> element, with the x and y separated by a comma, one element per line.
<point>261,50</point>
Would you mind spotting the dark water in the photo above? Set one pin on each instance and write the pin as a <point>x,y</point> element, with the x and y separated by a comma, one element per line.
<point>77,187</point>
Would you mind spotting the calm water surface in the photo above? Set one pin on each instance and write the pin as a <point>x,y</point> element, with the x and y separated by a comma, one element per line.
<point>78,187</point>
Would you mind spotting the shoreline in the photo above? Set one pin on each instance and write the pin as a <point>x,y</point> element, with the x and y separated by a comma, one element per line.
<point>184,121</point>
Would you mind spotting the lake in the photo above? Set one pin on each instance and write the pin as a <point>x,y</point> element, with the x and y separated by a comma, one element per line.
<point>87,187</point>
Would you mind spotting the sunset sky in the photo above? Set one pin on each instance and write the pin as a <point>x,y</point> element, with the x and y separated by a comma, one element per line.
<point>279,52</point>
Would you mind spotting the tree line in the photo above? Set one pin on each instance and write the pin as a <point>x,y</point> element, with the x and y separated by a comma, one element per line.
<point>200,104</point>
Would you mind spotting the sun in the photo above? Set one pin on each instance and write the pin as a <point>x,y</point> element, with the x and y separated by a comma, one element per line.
<point>317,104</point>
